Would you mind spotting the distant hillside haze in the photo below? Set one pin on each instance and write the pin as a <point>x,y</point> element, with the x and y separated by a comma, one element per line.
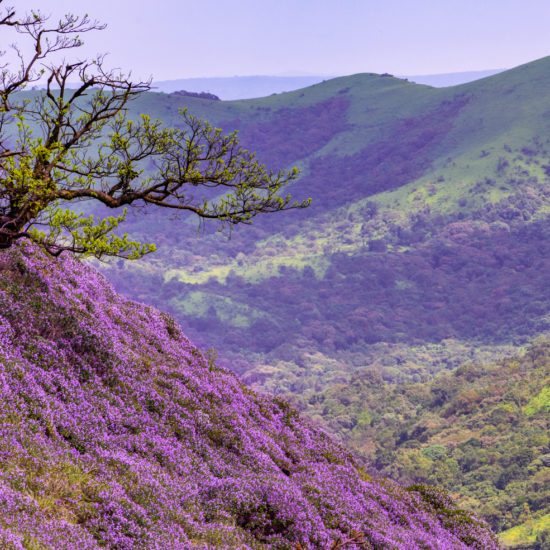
<point>234,88</point>
<point>239,87</point>
<point>247,87</point>
<point>444,80</point>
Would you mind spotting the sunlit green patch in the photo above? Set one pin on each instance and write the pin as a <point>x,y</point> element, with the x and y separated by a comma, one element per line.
<point>540,402</point>
<point>526,532</point>
<point>203,304</point>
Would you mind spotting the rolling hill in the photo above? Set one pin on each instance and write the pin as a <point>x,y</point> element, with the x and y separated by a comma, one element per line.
<point>247,87</point>
<point>409,183</point>
<point>426,245</point>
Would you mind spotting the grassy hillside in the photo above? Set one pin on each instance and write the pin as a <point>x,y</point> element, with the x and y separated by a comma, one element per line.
<point>118,433</point>
<point>392,167</point>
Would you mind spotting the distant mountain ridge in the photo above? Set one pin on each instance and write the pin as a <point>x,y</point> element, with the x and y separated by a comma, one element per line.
<point>248,87</point>
<point>238,87</point>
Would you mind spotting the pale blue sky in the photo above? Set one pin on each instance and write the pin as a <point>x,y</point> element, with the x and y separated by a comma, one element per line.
<point>171,39</point>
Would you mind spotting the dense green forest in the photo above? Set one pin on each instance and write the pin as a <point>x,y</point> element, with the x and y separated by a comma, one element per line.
<point>482,432</point>
<point>426,248</point>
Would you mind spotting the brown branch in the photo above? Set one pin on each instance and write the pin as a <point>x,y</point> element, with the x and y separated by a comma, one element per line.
<point>6,154</point>
<point>356,539</point>
<point>7,19</point>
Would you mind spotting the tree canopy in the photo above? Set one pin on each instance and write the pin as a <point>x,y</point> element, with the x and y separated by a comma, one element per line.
<point>72,141</point>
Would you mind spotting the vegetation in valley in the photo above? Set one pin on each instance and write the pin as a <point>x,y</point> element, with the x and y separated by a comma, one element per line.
<point>482,433</point>
<point>425,248</point>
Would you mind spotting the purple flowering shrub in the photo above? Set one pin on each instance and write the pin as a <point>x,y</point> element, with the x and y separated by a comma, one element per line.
<point>116,432</point>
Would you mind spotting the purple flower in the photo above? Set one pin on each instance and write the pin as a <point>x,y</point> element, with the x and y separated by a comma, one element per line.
<point>115,432</point>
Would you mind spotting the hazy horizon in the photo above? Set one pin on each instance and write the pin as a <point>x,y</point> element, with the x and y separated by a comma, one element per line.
<point>308,75</point>
<point>181,39</point>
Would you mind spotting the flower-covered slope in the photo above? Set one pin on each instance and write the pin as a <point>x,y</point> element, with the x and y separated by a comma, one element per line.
<point>116,432</point>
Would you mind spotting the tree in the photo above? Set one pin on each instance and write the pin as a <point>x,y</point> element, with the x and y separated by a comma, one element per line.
<point>70,143</point>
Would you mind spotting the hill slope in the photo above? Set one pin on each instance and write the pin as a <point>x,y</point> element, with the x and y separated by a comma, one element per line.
<point>410,184</point>
<point>118,433</point>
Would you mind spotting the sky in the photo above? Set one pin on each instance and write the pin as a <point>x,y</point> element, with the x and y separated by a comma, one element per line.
<point>170,39</point>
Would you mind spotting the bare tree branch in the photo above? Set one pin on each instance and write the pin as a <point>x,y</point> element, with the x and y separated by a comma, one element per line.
<point>73,142</point>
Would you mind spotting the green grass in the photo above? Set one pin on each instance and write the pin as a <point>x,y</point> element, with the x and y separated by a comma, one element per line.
<point>507,110</point>
<point>526,532</point>
<point>255,269</point>
<point>539,402</point>
<point>230,312</point>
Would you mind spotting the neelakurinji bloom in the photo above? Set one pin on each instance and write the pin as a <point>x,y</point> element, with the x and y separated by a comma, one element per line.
<point>116,432</point>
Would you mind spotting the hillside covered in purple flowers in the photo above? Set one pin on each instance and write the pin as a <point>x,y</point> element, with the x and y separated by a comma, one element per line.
<point>116,432</point>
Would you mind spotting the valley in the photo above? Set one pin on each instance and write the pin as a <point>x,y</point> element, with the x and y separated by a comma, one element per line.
<point>406,310</point>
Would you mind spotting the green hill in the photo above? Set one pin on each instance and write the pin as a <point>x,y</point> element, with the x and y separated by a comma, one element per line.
<point>392,167</point>
<point>427,245</point>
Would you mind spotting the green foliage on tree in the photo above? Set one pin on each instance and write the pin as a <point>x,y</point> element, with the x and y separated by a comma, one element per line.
<point>73,142</point>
